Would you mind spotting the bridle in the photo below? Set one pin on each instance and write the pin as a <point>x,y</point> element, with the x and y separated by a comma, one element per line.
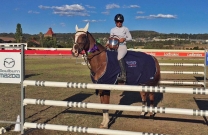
<point>80,46</point>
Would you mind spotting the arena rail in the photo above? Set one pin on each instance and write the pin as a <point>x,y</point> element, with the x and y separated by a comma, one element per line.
<point>176,82</point>
<point>192,112</point>
<point>83,129</point>
<point>27,101</point>
<point>201,91</point>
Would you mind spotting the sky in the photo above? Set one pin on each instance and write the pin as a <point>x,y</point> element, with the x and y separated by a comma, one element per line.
<point>163,16</point>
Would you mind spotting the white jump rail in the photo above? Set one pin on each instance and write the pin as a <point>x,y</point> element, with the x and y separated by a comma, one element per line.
<point>84,129</point>
<point>182,64</point>
<point>182,72</point>
<point>182,83</point>
<point>202,91</point>
<point>192,112</point>
<point>175,82</point>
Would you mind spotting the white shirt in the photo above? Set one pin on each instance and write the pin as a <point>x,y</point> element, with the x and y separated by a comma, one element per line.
<point>121,32</point>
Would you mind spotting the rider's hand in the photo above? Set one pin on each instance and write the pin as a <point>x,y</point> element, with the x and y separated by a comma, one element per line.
<point>121,40</point>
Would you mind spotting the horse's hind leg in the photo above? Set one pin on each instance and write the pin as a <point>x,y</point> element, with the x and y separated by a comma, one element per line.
<point>152,97</point>
<point>105,99</point>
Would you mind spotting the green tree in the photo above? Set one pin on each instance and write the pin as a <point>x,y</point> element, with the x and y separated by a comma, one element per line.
<point>41,39</point>
<point>18,34</point>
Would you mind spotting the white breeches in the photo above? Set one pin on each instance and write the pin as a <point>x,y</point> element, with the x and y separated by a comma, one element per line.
<point>122,50</point>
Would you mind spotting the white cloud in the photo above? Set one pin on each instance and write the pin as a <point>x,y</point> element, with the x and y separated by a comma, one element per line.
<point>167,16</point>
<point>33,12</point>
<point>106,13</point>
<point>111,6</point>
<point>134,6</point>
<point>140,12</point>
<point>94,20</point>
<point>67,10</point>
<point>43,7</point>
<point>70,13</point>
<point>74,7</point>
<point>63,24</point>
<point>163,16</point>
<point>88,6</point>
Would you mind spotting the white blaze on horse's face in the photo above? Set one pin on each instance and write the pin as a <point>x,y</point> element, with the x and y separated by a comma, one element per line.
<point>79,31</point>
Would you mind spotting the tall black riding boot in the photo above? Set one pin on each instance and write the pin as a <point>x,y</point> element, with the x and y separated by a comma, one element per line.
<point>123,70</point>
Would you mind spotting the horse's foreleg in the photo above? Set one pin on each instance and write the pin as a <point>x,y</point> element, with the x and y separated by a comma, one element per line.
<point>151,97</point>
<point>144,98</point>
<point>105,99</point>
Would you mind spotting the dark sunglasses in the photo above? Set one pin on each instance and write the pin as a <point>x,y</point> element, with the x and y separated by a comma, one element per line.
<point>119,21</point>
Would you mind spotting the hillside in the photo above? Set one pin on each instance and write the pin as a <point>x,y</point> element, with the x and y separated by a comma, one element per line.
<point>135,34</point>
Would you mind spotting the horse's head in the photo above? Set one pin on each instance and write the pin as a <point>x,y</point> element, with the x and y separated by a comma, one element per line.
<point>81,40</point>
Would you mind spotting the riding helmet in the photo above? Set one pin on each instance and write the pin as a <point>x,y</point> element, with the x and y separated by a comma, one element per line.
<point>119,17</point>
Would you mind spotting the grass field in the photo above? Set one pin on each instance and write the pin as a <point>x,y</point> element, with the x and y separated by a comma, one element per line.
<point>65,69</point>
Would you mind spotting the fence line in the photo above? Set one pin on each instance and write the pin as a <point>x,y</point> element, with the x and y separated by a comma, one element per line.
<point>182,83</point>
<point>83,129</point>
<point>182,64</point>
<point>202,91</point>
<point>182,72</point>
<point>176,82</point>
<point>192,112</point>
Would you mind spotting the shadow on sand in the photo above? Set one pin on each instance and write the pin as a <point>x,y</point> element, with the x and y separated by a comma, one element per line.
<point>129,98</point>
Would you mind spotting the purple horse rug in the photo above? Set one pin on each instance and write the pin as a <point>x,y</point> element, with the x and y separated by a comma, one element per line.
<point>140,68</point>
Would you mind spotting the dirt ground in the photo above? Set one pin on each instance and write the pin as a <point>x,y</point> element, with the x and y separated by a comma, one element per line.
<point>119,120</point>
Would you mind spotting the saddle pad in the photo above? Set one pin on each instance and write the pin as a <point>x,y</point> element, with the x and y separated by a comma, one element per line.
<point>140,68</point>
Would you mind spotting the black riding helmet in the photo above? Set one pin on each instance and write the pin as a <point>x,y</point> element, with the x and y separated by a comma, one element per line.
<point>119,17</point>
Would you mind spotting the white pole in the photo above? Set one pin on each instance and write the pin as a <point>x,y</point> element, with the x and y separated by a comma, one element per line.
<point>181,82</point>
<point>181,72</point>
<point>201,91</point>
<point>83,129</point>
<point>193,112</point>
<point>181,64</point>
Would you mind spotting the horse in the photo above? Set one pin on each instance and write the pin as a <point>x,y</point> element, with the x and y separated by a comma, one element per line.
<point>104,68</point>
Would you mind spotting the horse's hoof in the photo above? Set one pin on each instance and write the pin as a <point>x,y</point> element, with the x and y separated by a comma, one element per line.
<point>103,127</point>
<point>152,116</point>
<point>143,114</point>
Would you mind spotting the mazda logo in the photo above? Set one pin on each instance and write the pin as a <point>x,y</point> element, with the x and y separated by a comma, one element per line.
<point>9,62</point>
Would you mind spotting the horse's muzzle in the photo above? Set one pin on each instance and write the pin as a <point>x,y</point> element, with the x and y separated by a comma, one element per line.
<point>75,53</point>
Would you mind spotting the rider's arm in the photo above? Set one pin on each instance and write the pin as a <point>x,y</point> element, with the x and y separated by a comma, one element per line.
<point>128,35</point>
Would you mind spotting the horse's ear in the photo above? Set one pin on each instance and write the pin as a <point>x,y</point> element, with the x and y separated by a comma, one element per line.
<point>86,27</point>
<point>76,28</point>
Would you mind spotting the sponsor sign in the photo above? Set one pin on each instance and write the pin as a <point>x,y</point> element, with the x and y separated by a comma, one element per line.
<point>10,67</point>
<point>177,54</point>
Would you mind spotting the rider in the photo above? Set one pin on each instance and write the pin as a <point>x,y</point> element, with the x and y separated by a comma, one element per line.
<point>124,35</point>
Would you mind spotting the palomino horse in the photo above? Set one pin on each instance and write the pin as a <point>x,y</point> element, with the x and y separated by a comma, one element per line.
<point>142,69</point>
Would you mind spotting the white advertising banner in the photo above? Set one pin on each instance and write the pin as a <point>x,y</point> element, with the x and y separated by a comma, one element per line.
<point>10,67</point>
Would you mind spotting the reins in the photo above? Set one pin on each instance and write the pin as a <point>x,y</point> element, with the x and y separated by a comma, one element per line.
<point>87,59</point>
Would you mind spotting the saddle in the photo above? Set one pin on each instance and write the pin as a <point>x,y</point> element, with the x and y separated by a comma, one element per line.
<point>140,68</point>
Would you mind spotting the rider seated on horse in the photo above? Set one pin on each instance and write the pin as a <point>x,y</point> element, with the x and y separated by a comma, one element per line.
<point>123,35</point>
